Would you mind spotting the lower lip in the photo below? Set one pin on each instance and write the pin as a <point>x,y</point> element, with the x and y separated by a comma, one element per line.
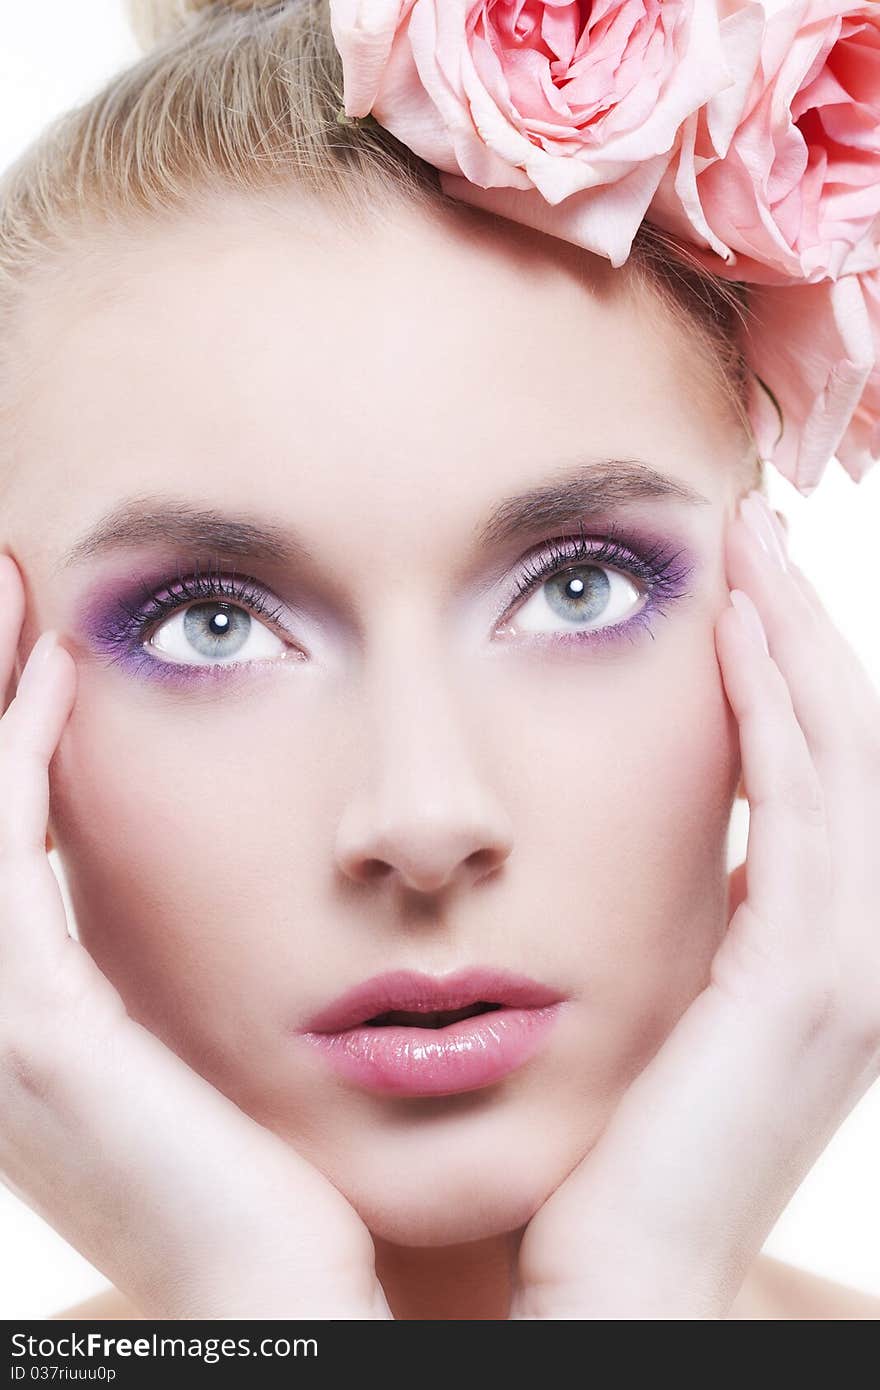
<point>463,1056</point>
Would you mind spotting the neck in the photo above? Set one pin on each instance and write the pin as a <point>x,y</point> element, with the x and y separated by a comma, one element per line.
<point>452,1282</point>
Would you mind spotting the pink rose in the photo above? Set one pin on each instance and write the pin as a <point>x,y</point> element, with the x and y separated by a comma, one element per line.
<point>817,348</point>
<point>781,176</point>
<point>559,115</point>
<point>859,449</point>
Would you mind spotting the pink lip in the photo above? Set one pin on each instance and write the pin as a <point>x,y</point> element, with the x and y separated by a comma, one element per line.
<point>462,1056</point>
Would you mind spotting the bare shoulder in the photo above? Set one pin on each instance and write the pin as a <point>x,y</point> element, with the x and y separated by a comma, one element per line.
<point>108,1305</point>
<point>779,1291</point>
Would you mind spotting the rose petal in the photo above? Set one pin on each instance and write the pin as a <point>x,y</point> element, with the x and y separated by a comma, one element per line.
<point>859,449</point>
<point>603,220</point>
<point>363,31</point>
<point>812,345</point>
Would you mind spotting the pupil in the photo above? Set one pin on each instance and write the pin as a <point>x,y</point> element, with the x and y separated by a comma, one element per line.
<point>582,594</point>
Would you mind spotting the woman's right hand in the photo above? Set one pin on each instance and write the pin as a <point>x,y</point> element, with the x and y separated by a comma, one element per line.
<point>191,1207</point>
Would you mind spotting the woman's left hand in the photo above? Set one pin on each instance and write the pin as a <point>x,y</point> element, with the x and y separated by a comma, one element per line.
<point>665,1215</point>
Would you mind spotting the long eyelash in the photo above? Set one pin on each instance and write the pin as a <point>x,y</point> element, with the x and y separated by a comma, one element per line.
<point>658,566</point>
<point>133,621</point>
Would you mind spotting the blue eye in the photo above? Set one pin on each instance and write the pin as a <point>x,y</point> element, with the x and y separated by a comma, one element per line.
<point>216,632</point>
<point>205,625</point>
<point>583,590</point>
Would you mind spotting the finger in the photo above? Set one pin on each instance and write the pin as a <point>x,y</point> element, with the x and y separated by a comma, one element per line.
<point>788,861</point>
<point>781,526</point>
<point>838,710</point>
<point>12,608</point>
<point>33,923</point>
<point>12,612</point>
<point>29,734</point>
<point>851,663</point>
<point>835,708</point>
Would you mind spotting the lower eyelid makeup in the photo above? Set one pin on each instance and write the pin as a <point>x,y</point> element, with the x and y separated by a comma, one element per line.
<point>119,621</point>
<point>664,569</point>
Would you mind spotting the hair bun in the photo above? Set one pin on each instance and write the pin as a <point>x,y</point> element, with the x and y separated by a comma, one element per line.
<point>155,20</point>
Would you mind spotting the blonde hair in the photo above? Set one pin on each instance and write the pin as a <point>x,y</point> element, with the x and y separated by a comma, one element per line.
<point>248,94</point>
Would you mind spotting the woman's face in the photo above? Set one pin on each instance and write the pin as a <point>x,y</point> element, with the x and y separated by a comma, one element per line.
<point>403,763</point>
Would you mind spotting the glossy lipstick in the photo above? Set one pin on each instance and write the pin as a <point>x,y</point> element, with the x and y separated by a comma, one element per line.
<point>372,1035</point>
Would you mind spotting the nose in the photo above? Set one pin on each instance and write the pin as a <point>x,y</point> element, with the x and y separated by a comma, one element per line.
<point>426,816</point>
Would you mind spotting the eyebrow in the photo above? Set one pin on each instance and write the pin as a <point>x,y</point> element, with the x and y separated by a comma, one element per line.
<point>146,520</point>
<point>602,485</point>
<point>591,486</point>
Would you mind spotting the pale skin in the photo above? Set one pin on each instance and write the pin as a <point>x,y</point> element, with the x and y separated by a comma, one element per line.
<point>562,815</point>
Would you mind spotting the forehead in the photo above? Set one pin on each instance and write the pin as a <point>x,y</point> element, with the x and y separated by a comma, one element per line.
<point>414,364</point>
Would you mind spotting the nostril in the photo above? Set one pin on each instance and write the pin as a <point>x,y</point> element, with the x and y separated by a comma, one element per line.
<point>375,869</point>
<point>485,862</point>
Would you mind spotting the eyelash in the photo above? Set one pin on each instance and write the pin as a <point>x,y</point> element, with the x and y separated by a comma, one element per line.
<point>656,567</point>
<point>130,628</point>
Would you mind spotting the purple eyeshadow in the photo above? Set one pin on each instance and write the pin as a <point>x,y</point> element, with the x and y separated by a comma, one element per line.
<point>115,620</point>
<point>116,617</point>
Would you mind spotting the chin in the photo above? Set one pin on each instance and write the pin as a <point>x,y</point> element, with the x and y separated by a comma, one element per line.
<point>448,1214</point>
<point>420,1189</point>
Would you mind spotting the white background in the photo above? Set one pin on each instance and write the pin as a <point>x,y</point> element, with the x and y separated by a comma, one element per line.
<point>52,55</point>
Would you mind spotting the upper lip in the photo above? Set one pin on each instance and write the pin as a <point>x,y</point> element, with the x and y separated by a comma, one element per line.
<point>412,990</point>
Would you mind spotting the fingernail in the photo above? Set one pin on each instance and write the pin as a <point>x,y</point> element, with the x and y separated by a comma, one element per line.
<point>754,513</point>
<point>40,653</point>
<point>750,616</point>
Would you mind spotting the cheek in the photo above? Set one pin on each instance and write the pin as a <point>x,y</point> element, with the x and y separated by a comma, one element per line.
<point>190,849</point>
<point>626,774</point>
<point>630,757</point>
